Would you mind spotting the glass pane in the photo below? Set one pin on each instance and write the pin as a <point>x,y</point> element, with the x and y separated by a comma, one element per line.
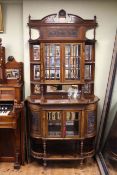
<point>52,61</point>
<point>54,124</point>
<point>91,122</point>
<point>36,52</point>
<point>88,52</point>
<point>36,89</point>
<point>88,72</point>
<point>72,123</point>
<point>72,61</point>
<point>36,70</point>
<point>88,88</point>
<point>35,122</point>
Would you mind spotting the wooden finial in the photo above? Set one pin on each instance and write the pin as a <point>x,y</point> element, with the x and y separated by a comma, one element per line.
<point>29,17</point>
<point>0,41</point>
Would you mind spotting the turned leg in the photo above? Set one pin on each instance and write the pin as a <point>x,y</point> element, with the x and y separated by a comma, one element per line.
<point>22,137</point>
<point>17,147</point>
<point>17,164</point>
<point>44,147</point>
<point>75,148</point>
<point>81,152</point>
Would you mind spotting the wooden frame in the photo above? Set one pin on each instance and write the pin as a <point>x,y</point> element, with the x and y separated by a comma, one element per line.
<point>1,19</point>
<point>11,120</point>
<point>106,108</point>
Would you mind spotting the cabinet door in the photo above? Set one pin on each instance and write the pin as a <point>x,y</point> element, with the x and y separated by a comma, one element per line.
<point>54,123</point>
<point>72,120</point>
<point>35,121</point>
<point>52,61</point>
<point>72,61</point>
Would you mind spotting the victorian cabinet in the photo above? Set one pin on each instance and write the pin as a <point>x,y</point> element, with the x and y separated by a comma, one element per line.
<point>11,110</point>
<point>62,106</point>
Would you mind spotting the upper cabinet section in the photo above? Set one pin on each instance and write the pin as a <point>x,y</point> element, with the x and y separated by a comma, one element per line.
<point>62,61</point>
<point>61,54</point>
<point>61,26</point>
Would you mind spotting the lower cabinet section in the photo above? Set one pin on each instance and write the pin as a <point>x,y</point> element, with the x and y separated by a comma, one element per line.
<point>62,131</point>
<point>62,149</point>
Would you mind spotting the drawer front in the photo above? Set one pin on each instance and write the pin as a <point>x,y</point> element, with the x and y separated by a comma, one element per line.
<point>7,122</point>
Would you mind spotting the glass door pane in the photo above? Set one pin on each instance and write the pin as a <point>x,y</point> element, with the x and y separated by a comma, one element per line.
<point>72,61</point>
<point>72,123</point>
<point>88,53</point>
<point>52,61</point>
<point>54,123</point>
<point>88,72</point>
<point>35,123</point>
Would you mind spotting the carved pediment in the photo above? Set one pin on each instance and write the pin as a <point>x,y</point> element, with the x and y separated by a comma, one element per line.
<point>62,17</point>
<point>61,25</point>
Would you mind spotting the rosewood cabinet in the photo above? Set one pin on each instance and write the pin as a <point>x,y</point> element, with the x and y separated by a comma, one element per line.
<point>62,107</point>
<point>11,110</point>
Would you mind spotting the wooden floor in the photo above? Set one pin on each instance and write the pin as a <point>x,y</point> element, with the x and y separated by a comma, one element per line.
<point>35,168</point>
<point>112,166</point>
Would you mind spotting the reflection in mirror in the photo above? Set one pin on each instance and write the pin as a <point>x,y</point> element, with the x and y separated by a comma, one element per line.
<point>34,34</point>
<point>109,150</point>
<point>71,91</point>
<point>107,136</point>
<point>90,34</point>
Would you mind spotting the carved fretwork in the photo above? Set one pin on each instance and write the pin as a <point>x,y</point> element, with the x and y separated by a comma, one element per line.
<point>2,62</point>
<point>47,29</point>
<point>13,71</point>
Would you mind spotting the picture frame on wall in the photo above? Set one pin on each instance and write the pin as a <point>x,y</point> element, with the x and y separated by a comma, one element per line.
<point>1,19</point>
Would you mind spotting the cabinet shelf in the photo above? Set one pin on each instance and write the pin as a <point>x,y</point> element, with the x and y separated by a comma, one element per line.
<point>63,157</point>
<point>36,41</point>
<point>62,83</point>
<point>35,136</point>
<point>35,62</point>
<point>37,155</point>
<point>89,62</point>
<point>90,41</point>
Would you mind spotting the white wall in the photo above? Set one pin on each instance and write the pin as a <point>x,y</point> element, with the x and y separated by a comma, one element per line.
<point>105,10</point>
<point>12,37</point>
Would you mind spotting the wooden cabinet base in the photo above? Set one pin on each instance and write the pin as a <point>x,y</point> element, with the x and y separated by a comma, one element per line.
<point>62,132</point>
